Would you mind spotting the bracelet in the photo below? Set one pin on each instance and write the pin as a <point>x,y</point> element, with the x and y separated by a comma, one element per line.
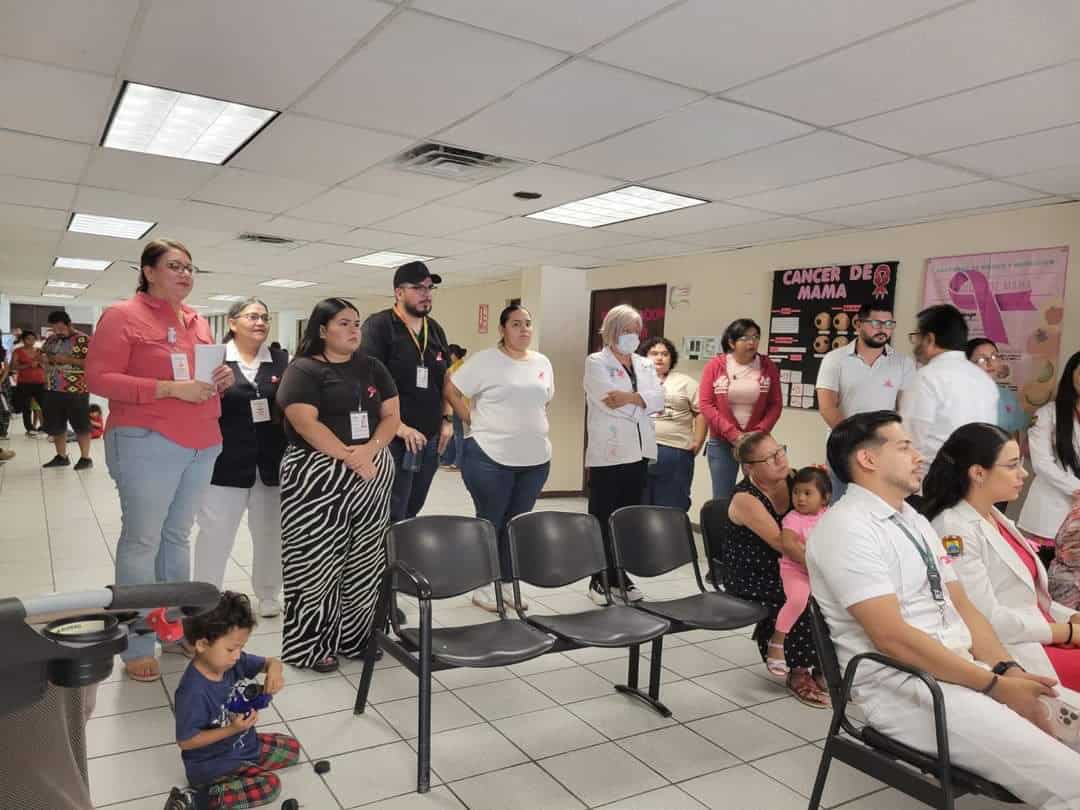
<point>990,686</point>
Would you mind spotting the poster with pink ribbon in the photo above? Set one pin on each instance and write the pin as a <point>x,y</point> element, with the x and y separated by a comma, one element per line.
<point>1015,299</point>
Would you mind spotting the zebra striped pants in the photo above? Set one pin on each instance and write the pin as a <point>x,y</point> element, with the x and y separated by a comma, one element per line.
<point>332,527</point>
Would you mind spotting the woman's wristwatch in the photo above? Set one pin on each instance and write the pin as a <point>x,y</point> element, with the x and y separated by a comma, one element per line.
<point>1001,667</point>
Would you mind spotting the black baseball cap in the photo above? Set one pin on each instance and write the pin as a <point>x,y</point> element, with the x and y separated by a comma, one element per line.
<point>414,273</point>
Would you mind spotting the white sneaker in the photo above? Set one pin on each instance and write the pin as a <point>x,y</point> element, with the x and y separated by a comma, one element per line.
<point>269,608</point>
<point>633,594</point>
<point>485,598</point>
<point>596,594</point>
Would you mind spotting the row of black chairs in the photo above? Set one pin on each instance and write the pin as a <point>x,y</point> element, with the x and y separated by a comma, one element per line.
<point>440,557</point>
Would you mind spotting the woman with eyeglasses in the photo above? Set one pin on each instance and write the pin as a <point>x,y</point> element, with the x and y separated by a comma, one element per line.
<point>162,437</point>
<point>751,551</point>
<point>978,466</point>
<point>245,476</point>
<point>739,393</point>
<point>1012,418</point>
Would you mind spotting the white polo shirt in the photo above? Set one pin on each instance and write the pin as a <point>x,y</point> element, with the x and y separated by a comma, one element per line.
<point>864,388</point>
<point>950,391</point>
<point>857,552</point>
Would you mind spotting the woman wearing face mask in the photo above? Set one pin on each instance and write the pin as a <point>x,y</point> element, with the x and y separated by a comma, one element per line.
<point>739,393</point>
<point>1012,418</point>
<point>978,466</point>
<point>503,394</point>
<point>246,473</point>
<point>622,392</point>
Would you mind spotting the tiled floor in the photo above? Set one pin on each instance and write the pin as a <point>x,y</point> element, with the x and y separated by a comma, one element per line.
<point>549,733</point>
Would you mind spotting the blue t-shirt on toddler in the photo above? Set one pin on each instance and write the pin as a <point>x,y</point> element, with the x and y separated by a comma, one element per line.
<point>200,705</point>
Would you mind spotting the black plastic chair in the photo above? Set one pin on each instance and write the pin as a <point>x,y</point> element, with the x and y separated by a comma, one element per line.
<point>651,540</point>
<point>440,557</point>
<point>714,522</point>
<point>553,549</point>
<point>882,757</point>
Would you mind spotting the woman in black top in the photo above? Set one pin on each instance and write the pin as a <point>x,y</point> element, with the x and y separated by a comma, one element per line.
<point>751,556</point>
<point>341,411</point>
<point>246,473</point>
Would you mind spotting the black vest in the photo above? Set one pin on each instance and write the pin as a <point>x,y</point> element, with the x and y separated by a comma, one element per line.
<point>246,446</point>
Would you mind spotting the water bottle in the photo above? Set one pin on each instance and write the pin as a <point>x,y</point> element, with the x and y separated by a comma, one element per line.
<point>410,462</point>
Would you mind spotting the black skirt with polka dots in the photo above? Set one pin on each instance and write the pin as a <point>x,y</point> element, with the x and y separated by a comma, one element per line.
<point>752,569</point>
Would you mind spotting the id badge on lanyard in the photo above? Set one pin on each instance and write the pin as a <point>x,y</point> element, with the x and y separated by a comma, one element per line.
<point>421,368</point>
<point>933,575</point>
<point>358,423</point>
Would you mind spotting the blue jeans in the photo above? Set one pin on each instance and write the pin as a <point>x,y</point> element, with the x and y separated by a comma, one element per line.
<point>500,492</point>
<point>411,487</point>
<point>669,478</point>
<point>723,468</point>
<point>161,486</point>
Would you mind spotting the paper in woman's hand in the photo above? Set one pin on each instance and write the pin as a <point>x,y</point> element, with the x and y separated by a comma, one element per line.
<point>207,358</point>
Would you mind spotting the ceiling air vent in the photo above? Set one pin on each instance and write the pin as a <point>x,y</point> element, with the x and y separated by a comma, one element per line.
<point>452,163</point>
<point>266,239</point>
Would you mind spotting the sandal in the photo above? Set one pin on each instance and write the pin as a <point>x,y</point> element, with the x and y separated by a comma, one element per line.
<point>324,665</point>
<point>144,670</point>
<point>777,667</point>
<point>806,691</point>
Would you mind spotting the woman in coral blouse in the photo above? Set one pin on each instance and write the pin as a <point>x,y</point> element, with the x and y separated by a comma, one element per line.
<point>162,435</point>
<point>739,393</point>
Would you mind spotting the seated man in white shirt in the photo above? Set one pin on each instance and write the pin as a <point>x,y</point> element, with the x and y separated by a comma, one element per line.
<point>949,390</point>
<point>878,573</point>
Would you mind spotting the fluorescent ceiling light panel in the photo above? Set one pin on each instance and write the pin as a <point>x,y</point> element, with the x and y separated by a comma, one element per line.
<point>388,258</point>
<point>632,202</point>
<point>56,295</point>
<point>180,125</point>
<point>81,264</point>
<point>66,285</point>
<point>227,298</point>
<point>287,283</point>
<point>110,226</point>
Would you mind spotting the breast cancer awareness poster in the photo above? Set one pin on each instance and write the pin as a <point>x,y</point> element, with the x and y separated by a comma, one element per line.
<point>1017,300</point>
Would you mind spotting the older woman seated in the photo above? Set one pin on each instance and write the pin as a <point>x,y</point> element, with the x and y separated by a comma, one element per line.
<point>751,552</point>
<point>979,466</point>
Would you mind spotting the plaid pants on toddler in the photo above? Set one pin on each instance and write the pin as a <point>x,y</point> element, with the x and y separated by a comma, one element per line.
<point>254,785</point>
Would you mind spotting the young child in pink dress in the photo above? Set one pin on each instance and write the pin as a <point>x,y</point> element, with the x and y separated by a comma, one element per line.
<point>810,493</point>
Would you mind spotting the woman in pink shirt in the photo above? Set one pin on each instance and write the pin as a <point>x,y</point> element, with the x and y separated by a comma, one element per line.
<point>739,393</point>
<point>162,435</point>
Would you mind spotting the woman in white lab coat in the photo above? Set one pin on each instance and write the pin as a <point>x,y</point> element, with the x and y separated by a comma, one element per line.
<point>978,466</point>
<point>621,392</point>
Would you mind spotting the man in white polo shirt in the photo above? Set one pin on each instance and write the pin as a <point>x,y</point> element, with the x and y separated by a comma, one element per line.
<point>866,375</point>
<point>882,580</point>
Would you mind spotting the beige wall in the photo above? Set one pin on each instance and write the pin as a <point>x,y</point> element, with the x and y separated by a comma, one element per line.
<point>457,308</point>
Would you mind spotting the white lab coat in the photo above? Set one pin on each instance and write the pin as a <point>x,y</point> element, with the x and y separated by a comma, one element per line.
<point>999,585</point>
<point>1050,495</point>
<point>620,435</point>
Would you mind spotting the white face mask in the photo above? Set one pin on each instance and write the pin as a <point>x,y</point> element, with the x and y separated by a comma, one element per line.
<point>628,343</point>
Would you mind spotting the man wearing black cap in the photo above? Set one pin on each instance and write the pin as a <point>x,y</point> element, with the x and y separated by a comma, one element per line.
<point>414,348</point>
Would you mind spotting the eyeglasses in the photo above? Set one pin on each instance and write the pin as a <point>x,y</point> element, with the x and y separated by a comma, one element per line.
<point>427,289</point>
<point>1012,466</point>
<point>180,267</point>
<point>774,456</point>
<point>748,339</point>
<point>255,317</point>
<point>880,324</point>
<point>987,359</point>
<point>914,337</point>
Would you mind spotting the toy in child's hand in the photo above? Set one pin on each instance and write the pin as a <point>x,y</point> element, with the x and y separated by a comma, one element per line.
<point>165,630</point>
<point>248,698</point>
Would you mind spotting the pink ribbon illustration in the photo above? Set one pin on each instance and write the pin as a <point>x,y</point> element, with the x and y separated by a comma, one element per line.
<point>988,304</point>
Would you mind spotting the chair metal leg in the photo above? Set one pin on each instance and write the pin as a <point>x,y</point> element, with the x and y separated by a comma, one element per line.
<point>423,756</point>
<point>377,625</point>
<point>822,775</point>
<point>633,659</point>
<point>652,697</point>
<point>654,668</point>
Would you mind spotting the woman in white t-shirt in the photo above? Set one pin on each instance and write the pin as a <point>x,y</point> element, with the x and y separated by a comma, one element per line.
<point>505,461</point>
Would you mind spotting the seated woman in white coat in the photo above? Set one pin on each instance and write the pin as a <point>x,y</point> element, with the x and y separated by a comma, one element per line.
<point>979,466</point>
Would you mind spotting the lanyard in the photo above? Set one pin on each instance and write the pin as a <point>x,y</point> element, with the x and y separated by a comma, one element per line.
<point>933,575</point>
<point>421,349</point>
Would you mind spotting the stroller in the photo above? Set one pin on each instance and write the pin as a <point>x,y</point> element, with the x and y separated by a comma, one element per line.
<point>1064,572</point>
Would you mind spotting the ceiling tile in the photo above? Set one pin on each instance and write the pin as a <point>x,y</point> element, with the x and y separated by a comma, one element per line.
<point>257,192</point>
<point>218,217</point>
<point>41,158</point>
<point>891,180</point>
<point>758,233</point>
<point>715,45</point>
<point>566,24</point>
<point>131,171</point>
<point>1019,155</point>
<point>585,240</point>
<point>1037,101</point>
<point>303,230</point>
<point>410,185</point>
<point>111,203</point>
<point>247,50</point>
<point>689,220</point>
<point>927,204</point>
<point>345,206</point>
<point>430,72</point>
<point>648,249</point>
<point>1061,180</point>
<point>568,108</point>
<point>194,238</point>
<point>429,245</point>
<point>517,229</point>
<point>367,240</point>
<point>555,184</point>
<point>708,130</point>
<point>316,151</point>
<point>84,35</point>
<point>923,61</point>
<point>89,246</point>
<point>40,193</point>
<point>575,261</point>
<point>435,219</point>
<point>52,101</point>
<point>784,164</point>
<point>506,255</point>
<point>30,217</point>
